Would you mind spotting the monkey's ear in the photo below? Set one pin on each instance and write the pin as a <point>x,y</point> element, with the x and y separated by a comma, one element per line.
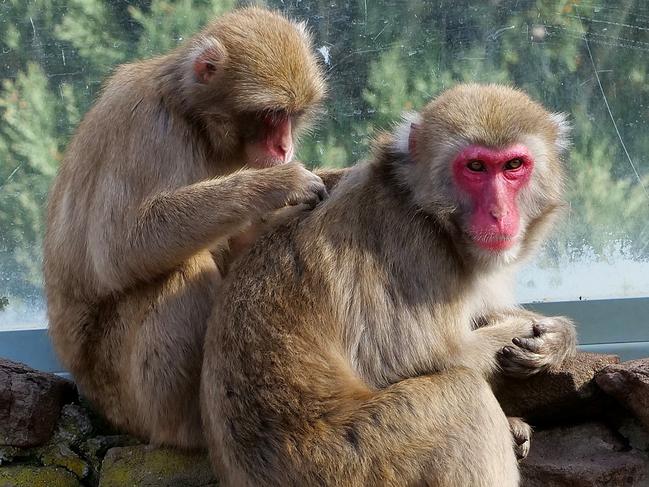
<point>412,138</point>
<point>563,127</point>
<point>406,134</point>
<point>209,61</point>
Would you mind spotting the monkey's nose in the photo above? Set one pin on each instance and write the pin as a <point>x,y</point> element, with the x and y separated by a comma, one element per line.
<point>498,212</point>
<point>280,144</point>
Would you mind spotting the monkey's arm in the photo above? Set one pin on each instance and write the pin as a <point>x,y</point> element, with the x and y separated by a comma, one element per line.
<point>170,227</point>
<point>331,177</point>
<point>525,343</point>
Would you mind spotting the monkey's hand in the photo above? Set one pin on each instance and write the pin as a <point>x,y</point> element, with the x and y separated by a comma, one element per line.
<point>549,342</point>
<point>522,436</point>
<point>299,186</point>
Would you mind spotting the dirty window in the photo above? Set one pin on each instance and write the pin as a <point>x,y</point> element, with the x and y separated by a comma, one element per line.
<point>589,59</point>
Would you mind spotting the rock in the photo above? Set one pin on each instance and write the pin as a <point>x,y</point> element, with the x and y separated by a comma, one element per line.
<point>60,455</point>
<point>30,402</point>
<point>28,476</point>
<point>628,382</point>
<point>73,427</point>
<point>557,397</point>
<point>636,435</point>
<point>8,453</point>
<point>95,448</point>
<point>589,455</point>
<point>146,466</point>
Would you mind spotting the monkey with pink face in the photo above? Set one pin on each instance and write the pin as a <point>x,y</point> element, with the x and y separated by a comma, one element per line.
<point>354,345</point>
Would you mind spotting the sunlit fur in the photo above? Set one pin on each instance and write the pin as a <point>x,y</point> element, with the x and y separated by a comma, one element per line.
<point>349,334</point>
<point>151,182</point>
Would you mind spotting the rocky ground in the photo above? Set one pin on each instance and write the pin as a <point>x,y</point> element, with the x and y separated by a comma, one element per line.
<point>591,424</point>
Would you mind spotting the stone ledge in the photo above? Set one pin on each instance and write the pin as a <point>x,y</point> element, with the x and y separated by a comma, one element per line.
<point>81,451</point>
<point>587,455</point>
<point>146,466</point>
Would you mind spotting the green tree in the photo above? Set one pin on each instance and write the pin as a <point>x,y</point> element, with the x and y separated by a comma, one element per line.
<point>381,59</point>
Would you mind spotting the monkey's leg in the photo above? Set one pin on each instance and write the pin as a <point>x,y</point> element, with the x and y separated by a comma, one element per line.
<point>525,343</point>
<point>165,357</point>
<point>444,430</point>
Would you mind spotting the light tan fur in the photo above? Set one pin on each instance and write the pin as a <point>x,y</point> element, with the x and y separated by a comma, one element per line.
<point>154,179</point>
<point>353,345</point>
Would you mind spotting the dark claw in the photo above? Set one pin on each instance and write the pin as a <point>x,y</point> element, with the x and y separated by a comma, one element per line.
<point>508,351</point>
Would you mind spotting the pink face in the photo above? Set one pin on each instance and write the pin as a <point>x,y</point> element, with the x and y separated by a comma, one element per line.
<point>492,178</point>
<point>275,144</point>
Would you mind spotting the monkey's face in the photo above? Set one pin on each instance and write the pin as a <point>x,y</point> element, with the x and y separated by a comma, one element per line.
<point>487,165</point>
<point>257,79</point>
<point>490,181</point>
<point>268,141</point>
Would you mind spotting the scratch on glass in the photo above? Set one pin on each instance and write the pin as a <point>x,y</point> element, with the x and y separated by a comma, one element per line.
<point>12,174</point>
<point>617,130</point>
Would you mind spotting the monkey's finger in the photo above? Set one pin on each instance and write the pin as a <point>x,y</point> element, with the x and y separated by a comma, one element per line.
<point>521,451</point>
<point>520,362</point>
<point>531,344</point>
<point>323,194</point>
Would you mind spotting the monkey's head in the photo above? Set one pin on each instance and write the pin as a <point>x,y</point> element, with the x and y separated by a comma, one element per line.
<point>486,161</point>
<point>254,77</point>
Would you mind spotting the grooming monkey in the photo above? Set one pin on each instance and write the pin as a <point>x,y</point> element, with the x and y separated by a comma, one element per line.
<point>179,155</point>
<point>346,349</point>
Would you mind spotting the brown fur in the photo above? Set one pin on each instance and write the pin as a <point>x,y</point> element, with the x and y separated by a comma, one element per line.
<point>151,182</point>
<point>343,350</point>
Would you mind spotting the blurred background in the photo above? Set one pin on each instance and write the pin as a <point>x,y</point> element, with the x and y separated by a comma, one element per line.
<point>586,58</point>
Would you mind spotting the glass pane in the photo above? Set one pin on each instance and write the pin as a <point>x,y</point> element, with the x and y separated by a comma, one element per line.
<point>589,59</point>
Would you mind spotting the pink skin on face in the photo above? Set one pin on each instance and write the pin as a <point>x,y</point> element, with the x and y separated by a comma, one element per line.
<point>492,179</point>
<point>278,138</point>
<point>276,144</point>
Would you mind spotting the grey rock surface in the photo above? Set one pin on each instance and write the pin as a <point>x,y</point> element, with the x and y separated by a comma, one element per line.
<point>560,396</point>
<point>588,455</point>
<point>628,382</point>
<point>30,403</point>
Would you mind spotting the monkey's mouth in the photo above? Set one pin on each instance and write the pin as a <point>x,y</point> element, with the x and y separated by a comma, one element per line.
<point>494,242</point>
<point>266,162</point>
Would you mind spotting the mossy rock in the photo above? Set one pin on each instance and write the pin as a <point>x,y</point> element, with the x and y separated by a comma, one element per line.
<point>94,449</point>
<point>8,453</point>
<point>73,427</point>
<point>146,466</point>
<point>28,476</point>
<point>60,455</point>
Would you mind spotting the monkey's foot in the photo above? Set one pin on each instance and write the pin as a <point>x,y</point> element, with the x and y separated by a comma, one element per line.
<point>552,340</point>
<point>522,435</point>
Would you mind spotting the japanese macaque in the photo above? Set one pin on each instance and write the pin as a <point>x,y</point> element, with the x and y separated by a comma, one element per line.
<point>354,344</point>
<point>178,157</point>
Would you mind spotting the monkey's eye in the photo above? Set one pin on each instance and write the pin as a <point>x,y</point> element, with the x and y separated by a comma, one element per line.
<point>513,164</point>
<point>475,166</point>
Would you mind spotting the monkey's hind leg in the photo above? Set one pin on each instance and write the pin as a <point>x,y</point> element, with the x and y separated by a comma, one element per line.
<point>166,358</point>
<point>443,430</point>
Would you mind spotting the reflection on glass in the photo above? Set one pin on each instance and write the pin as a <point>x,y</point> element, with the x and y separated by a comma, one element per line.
<point>382,57</point>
